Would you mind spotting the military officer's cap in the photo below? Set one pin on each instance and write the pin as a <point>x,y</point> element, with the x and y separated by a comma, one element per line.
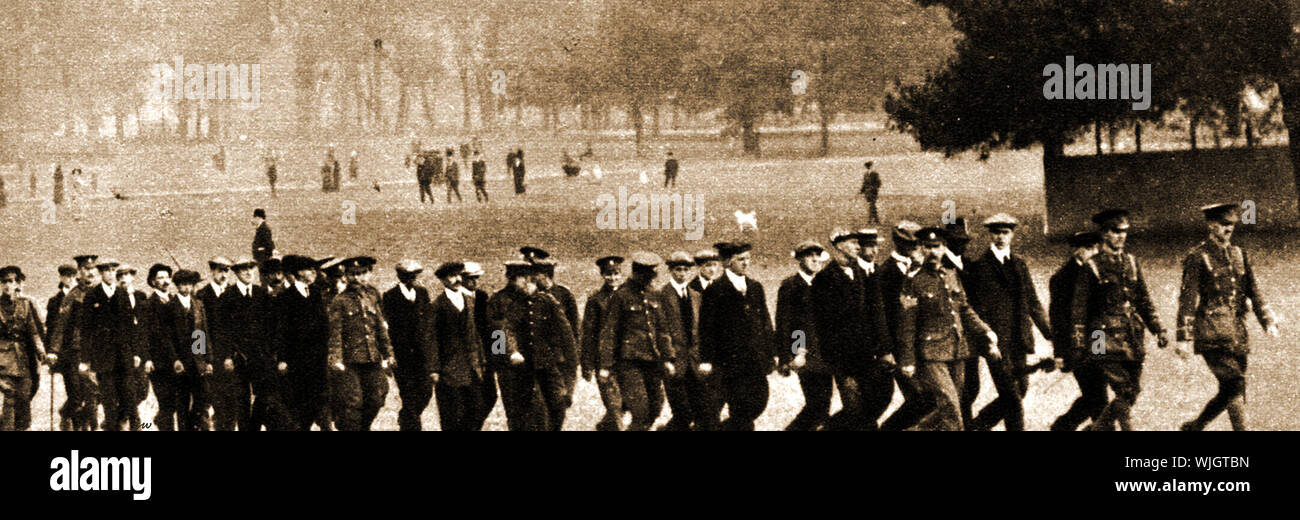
<point>905,231</point>
<point>219,262</point>
<point>1001,221</point>
<point>244,262</point>
<point>67,270</point>
<point>13,270</point>
<point>295,263</point>
<point>680,258</point>
<point>449,269</point>
<point>1116,219</point>
<point>840,234</point>
<point>705,256</point>
<point>546,267</point>
<point>126,268</point>
<point>186,277</point>
<point>608,264</point>
<point>107,263</point>
<point>533,254</point>
<point>807,247</point>
<point>1226,213</point>
<point>84,260</point>
<point>867,236</point>
<point>1084,239</point>
<point>473,270</point>
<point>955,232</point>
<point>645,260</point>
<point>930,236</point>
<point>272,265</point>
<point>409,266</point>
<point>359,264</point>
<point>518,268</point>
<point>729,249</point>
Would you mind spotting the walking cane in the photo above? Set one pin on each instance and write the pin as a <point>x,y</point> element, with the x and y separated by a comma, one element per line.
<point>52,396</point>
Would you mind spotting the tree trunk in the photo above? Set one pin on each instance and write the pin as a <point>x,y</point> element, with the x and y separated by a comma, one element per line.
<point>1191,129</point>
<point>655,115</point>
<point>1137,136</point>
<point>464,98</point>
<point>1250,134</point>
<point>403,104</point>
<point>824,115</point>
<point>1096,133</point>
<point>1289,91</point>
<point>1110,135</point>
<point>428,109</point>
<point>637,125</point>
<point>749,136</point>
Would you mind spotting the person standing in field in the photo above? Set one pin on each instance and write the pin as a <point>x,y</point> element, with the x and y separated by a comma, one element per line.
<point>871,191</point>
<point>478,169</point>
<point>670,171</point>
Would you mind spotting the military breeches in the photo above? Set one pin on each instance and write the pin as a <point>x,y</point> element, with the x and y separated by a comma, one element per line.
<point>16,392</point>
<point>612,398</point>
<point>640,383</point>
<point>534,399</point>
<point>1124,378</point>
<point>1230,370</point>
<point>357,394</point>
<point>1092,399</point>
<point>916,404</point>
<point>941,380</point>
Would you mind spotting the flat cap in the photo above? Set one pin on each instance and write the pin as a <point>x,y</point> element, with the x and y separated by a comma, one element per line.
<point>67,270</point>
<point>518,268</point>
<point>840,234</point>
<point>1001,220</point>
<point>295,263</point>
<point>126,268</point>
<point>706,255</point>
<point>1084,239</point>
<point>473,269</point>
<point>533,254</point>
<point>449,269</point>
<point>83,260</point>
<point>12,270</point>
<point>729,249</point>
<point>680,258</point>
<point>807,247</point>
<point>905,231</point>
<point>107,263</point>
<point>409,266</point>
<point>930,236</point>
<point>1112,219</point>
<point>1224,212</point>
<point>645,260</point>
<point>219,262</point>
<point>609,263</point>
<point>186,277</point>
<point>244,262</point>
<point>359,264</point>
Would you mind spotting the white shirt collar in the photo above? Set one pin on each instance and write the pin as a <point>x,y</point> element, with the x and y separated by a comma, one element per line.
<point>1001,254</point>
<point>65,290</point>
<point>807,278</point>
<point>162,295</point>
<point>407,292</point>
<point>457,298</point>
<point>736,280</point>
<point>303,288</point>
<point>704,282</point>
<point>868,267</point>
<point>680,289</point>
<point>342,285</point>
<point>217,289</point>
<point>848,271</point>
<point>109,289</point>
<point>904,262</point>
<point>243,289</point>
<point>185,300</point>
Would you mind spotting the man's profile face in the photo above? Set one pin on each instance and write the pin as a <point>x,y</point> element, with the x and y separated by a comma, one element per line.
<point>739,263</point>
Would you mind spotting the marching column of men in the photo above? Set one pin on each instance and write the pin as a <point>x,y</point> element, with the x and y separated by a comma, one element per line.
<point>314,342</point>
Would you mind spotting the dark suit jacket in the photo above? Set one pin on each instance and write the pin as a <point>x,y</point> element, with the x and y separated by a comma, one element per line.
<point>563,295</point>
<point>263,246</point>
<point>100,321</point>
<point>410,324</point>
<point>850,318</point>
<point>302,334</point>
<point>218,325</point>
<point>1005,299</point>
<point>685,330</point>
<point>247,331</point>
<point>162,339</point>
<point>1060,289</point>
<point>890,278</point>
<point>183,326</point>
<point>136,324</point>
<point>736,329</point>
<point>457,356</point>
<point>593,321</point>
<point>794,312</point>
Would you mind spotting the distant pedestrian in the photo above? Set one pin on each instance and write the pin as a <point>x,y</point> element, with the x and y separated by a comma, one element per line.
<point>479,174</point>
<point>263,244</point>
<point>424,178</point>
<point>354,169</point>
<point>57,195</point>
<point>453,175</point>
<point>270,171</point>
<point>516,162</point>
<point>670,171</point>
<point>871,191</point>
<point>4,195</point>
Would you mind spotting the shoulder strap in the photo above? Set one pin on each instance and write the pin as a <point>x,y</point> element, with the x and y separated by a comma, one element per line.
<point>1238,261</point>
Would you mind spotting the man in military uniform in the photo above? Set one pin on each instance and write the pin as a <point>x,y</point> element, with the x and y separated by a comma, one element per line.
<point>905,258</point>
<point>736,336</point>
<point>1217,281</point>
<point>408,309</point>
<point>540,348</point>
<point>636,344</point>
<point>492,363</point>
<point>1002,292</point>
<point>934,326</point>
<point>302,331</point>
<point>1092,386</point>
<point>690,394</point>
<point>796,326</point>
<point>544,277</point>
<point>1111,307</point>
<point>79,411</point>
<point>611,271</point>
<point>21,349</point>
<point>456,362</point>
<point>359,350</point>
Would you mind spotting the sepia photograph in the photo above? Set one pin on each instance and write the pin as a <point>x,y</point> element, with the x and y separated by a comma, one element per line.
<point>650,215</point>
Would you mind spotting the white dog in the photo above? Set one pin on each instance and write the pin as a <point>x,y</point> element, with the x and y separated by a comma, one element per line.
<point>747,219</point>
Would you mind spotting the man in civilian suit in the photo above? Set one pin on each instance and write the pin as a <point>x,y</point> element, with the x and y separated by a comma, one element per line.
<point>408,308</point>
<point>796,327</point>
<point>690,395</point>
<point>302,331</point>
<point>456,361</point>
<point>1092,387</point>
<point>736,336</point>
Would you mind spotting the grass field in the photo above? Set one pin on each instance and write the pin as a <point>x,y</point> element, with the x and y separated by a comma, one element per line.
<point>795,199</point>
